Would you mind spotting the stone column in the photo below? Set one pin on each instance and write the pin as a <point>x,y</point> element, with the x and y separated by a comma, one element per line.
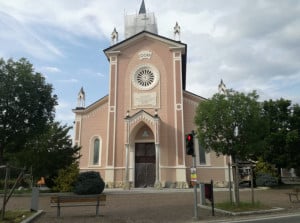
<point>157,153</point>
<point>157,149</point>
<point>127,183</point>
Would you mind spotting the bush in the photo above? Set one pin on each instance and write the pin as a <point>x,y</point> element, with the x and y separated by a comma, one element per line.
<point>11,182</point>
<point>89,183</point>
<point>265,179</point>
<point>66,178</point>
<point>263,167</point>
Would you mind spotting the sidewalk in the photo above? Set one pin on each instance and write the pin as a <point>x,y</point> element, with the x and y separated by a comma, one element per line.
<point>150,205</point>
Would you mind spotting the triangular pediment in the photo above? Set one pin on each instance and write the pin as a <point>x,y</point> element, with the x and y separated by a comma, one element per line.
<point>142,116</point>
<point>172,44</point>
<point>145,34</point>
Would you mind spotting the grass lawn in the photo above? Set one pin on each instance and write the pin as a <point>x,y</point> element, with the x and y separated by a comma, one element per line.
<point>243,206</point>
<point>16,216</point>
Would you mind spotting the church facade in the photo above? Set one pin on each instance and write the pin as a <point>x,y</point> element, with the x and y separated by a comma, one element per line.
<point>135,136</point>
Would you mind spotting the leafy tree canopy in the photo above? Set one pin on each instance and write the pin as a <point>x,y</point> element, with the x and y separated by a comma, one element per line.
<point>26,104</point>
<point>231,124</point>
<point>283,140</point>
<point>48,152</point>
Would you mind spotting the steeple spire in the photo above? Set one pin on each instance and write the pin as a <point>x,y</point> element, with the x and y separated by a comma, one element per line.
<point>144,21</point>
<point>142,8</point>
<point>222,88</point>
<point>81,99</point>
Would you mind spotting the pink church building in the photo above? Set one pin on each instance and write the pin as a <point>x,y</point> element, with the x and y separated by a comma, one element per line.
<point>135,136</point>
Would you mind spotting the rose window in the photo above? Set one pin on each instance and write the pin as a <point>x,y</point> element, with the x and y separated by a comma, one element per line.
<point>145,78</point>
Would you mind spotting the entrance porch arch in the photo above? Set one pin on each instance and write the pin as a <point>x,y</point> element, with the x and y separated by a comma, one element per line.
<point>142,150</point>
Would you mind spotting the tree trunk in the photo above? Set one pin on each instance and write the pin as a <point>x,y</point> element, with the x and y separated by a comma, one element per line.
<point>236,180</point>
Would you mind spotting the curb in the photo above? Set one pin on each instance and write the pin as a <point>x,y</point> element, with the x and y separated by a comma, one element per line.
<point>33,217</point>
<point>275,209</point>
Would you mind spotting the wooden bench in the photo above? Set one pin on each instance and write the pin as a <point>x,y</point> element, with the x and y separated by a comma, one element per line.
<point>294,193</point>
<point>60,201</point>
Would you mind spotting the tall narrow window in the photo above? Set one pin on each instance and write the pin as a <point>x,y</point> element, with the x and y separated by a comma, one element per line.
<point>96,152</point>
<point>202,158</point>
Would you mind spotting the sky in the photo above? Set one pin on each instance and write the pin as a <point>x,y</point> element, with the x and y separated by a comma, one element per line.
<point>249,44</point>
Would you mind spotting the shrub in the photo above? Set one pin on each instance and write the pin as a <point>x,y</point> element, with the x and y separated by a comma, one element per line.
<point>66,178</point>
<point>10,183</point>
<point>265,179</point>
<point>89,183</point>
<point>263,167</point>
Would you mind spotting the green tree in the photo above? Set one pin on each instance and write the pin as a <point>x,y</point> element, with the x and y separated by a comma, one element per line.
<point>283,138</point>
<point>293,138</point>
<point>231,124</point>
<point>26,104</point>
<point>48,152</point>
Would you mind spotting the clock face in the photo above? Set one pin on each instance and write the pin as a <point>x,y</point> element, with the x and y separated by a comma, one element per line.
<point>145,77</point>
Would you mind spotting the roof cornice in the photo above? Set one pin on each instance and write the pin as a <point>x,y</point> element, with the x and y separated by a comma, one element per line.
<point>116,48</point>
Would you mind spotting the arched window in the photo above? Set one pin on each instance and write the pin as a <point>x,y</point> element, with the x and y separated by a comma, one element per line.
<point>96,151</point>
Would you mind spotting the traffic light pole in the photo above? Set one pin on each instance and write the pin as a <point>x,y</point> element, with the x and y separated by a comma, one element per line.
<point>190,150</point>
<point>196,217</point>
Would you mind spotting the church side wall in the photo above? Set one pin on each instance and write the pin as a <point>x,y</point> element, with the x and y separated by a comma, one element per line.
<point>94,124</point>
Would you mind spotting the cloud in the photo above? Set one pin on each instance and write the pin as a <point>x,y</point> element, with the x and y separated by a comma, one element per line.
<point>257,42</point>
<point>21,38</point>
<point>100,74</point>
<point>72,80</point>
<point>51,69</point>
<point>78,17</point>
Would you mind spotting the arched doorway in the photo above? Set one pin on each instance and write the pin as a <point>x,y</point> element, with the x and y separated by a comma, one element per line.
<point>142,150</point>
<point>145,164</point>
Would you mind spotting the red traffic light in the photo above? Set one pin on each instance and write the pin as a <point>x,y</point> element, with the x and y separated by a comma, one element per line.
<point>190,144</point>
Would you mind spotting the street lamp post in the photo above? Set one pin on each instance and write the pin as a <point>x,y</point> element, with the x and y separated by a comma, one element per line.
<point>236,184</point>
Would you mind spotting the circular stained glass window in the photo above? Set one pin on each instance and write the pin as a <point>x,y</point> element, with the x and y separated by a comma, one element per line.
<point>145,77</point>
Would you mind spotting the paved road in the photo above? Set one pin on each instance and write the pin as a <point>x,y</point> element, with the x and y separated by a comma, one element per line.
<point>148,205</point>
<point>290,218</point>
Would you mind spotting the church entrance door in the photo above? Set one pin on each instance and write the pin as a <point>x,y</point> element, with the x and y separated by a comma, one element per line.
<point>144,164</point>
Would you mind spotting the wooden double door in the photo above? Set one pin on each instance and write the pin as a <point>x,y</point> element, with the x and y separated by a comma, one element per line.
<point>144,164</point>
